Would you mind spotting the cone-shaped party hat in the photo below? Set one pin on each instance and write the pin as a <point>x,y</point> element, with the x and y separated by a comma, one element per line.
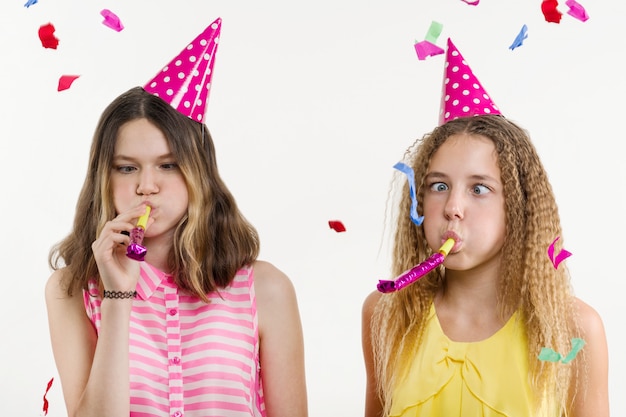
<point>186,81</point>
<point>462,94</point>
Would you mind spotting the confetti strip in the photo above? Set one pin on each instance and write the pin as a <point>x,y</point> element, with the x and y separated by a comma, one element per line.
<point>523,34</point>
<point>471,3</point>
<point>560,257</point>
<point>45,400</point>
<point>337,226</point>
<point>46,35</point>
<point>549,355</point>
<point>30,3</point>
<point>550,12</point>
<point>66,81</point>
<point>408,171</point>
<point>577,11</point>
<point>111,20</point>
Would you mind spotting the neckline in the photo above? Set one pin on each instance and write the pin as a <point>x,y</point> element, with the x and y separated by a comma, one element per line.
<point>496,334</point>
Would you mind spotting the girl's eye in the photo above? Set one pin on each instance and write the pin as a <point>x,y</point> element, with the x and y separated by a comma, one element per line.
<point>438,186</point>
<point>480,189</point>
<point>125,169</point>
<point>169,166</point>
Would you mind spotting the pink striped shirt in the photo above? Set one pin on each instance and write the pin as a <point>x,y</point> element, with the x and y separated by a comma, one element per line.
<point>189,358</point>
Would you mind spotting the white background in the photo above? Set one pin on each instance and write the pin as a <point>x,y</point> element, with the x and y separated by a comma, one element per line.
<point>311,106</point>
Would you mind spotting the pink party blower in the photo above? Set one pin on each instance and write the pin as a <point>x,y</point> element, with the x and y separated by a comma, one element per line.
<point>135,250</point>
<point>418,271</point>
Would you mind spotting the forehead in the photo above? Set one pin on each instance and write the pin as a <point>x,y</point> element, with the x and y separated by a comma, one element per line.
<point>472,154</point>
<point>140,136</point>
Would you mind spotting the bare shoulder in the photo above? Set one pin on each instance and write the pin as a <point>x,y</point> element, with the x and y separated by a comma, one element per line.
<point>592,398</point>
<point>590,321</point>
<point>370,304</point>
<point>58,302</point>
<point>56,286</point>
<point>270,283</point>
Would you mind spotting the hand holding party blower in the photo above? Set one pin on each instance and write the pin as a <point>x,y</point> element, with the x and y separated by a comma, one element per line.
<point>135,250</point>
<point>418,271</point>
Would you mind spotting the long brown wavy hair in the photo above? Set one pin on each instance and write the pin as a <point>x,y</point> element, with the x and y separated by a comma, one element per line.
<point>529,282</point>
<point>211,242</point>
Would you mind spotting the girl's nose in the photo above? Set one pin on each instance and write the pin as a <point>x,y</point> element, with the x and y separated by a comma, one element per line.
<point>147,183</point>
<point>454,206</point>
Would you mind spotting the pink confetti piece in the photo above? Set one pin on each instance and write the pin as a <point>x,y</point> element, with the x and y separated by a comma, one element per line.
<point>337,226</point>
<point>111,20</point>
<point>560,257</point>
<point>550,12</point>
<point>66,81</point>
<point>577,11</point>
<point>471,3</point>
<point>45,400</point>
<point>424,49</point>
<point>46,35</point>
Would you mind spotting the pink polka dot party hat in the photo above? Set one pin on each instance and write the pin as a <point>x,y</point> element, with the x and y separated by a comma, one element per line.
<point>185,82</point>
<point>462,95</point>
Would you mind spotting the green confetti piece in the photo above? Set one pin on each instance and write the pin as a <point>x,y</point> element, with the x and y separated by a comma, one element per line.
<point>433,32</point>
<point>577,345</point>
<point>549,355</point>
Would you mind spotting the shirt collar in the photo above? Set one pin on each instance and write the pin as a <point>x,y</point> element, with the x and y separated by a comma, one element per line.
<point>149,279</point>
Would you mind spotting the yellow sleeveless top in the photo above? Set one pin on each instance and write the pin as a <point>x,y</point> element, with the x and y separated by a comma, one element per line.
<point>489,378</point>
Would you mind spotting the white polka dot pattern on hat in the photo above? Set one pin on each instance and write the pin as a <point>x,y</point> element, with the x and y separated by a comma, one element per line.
<point>463,95</point>
<point>185,82</point>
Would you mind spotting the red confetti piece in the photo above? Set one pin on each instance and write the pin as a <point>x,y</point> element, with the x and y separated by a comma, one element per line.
<point>337,226</point>
<point>560,257</point>
<point>46,35</point>
<point>550,12</point>
<point>66,81</point>
<point>45,400</point>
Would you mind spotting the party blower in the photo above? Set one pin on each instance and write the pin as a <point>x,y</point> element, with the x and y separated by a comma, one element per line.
<point>418,271</point>
<point>135,250</point>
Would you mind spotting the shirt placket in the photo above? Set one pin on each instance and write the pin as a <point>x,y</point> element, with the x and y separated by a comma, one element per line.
<point>175,371</point>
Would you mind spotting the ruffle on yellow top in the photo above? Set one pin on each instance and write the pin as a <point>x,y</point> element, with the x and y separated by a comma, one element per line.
<point>488,378</point>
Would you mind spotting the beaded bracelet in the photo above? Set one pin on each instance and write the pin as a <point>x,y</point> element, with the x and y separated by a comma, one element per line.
<point>120,294</point>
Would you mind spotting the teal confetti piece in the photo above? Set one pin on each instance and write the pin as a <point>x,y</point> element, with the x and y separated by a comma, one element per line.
<point>549,355</point>
<point>577,345</point>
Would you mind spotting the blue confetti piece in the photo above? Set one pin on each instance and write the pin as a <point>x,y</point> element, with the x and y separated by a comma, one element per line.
<point>30,3</point>
<point>523,34</point>
<point>408,171</point>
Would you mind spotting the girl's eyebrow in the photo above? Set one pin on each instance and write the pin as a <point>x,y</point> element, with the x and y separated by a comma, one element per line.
<point>133,159</point>
<point>475,177</point>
